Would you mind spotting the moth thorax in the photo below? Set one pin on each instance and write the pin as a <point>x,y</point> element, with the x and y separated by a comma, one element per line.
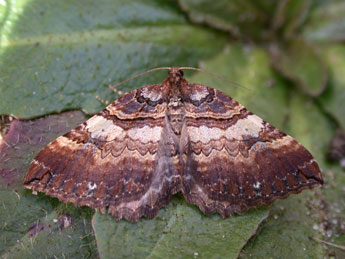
<point>175,103</point>
<point>175,75</point>
<point>175,114</point>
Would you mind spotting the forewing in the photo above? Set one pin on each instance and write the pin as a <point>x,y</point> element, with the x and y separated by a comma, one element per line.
<point>115,160</point>
<point>233,160</point>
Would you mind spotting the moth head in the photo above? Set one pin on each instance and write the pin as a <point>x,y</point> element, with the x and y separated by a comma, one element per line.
<point>175,75</point>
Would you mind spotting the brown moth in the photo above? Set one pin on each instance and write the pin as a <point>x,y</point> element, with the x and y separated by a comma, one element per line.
<point>151,143</point>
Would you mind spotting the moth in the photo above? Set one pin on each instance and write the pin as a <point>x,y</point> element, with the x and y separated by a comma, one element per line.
<point>153,142</point>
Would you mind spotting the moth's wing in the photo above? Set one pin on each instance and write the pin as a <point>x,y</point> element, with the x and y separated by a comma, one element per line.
<point>233,160</point>
<point>115,160</point>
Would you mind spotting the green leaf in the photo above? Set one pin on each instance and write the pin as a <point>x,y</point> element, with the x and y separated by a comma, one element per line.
<point>289,16</point>
<point>303,114</point>
<point>334,209</point>
<point>54,234</point>
<point>241,18</point>
<point>50,63</point>
<point>179,231</point>
<point>326,22</point>
<point>302,63</point>
<point>333,100</point>
<point>17,213</point>
<point>10,11</point>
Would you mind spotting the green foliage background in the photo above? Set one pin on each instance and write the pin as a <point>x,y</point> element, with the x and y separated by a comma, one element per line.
<point>57,56</point>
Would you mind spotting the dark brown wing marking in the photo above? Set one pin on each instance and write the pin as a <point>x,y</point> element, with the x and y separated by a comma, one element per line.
<point>114,160</point>
<point>233,160</point>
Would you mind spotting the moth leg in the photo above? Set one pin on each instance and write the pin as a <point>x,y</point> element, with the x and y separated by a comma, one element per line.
<point>106,102</point>
<point>115,90</point>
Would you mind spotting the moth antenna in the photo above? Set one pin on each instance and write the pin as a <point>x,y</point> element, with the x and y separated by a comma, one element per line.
<point>141,74</point>
<point>216,76</point>
<point>113,87</point>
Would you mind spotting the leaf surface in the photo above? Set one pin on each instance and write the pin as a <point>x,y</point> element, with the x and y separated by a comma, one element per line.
<point>302,63</point>
<point>50,63</point>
